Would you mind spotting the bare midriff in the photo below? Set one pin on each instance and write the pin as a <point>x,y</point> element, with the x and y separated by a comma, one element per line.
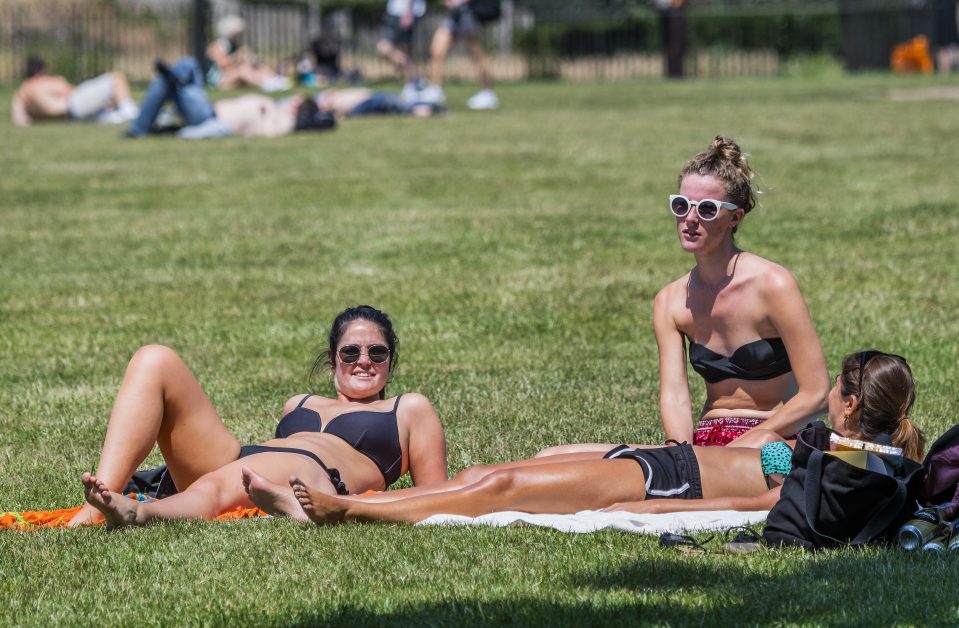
<point>358,472</point>
<point>730,471</point>
<point>752,399</point>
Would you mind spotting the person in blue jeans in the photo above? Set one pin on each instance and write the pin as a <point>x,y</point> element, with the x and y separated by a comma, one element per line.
<point>182,84</point>
<point>250,116</point>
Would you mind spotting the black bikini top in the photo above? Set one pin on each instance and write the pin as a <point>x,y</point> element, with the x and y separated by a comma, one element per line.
<point>373,434</point>
<point>765,358</point>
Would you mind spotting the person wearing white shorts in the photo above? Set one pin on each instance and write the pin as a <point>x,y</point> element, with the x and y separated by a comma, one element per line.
<point>105,99</point>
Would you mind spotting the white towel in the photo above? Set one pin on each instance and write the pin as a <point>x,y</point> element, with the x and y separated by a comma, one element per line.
<point>593,520</point>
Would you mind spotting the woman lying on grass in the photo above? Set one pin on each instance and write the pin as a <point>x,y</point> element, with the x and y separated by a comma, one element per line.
<point>747,327</point>
<point>872,396</point>
<point>355,442</point>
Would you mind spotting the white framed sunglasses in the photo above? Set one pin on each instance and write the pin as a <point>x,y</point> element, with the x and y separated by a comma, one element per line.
<point>706,209</point>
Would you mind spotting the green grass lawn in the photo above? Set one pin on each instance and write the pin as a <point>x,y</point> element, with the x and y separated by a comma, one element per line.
<point>518,252</point>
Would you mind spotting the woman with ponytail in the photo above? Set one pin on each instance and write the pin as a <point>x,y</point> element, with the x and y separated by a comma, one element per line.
<point>740,320</point>
<point>873,396</point>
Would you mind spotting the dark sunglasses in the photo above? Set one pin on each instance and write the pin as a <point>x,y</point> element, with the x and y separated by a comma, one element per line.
<point>350,354</point>
<point>707,209</point>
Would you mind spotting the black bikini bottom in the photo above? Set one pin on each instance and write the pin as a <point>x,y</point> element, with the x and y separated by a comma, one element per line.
<point>249,450</point>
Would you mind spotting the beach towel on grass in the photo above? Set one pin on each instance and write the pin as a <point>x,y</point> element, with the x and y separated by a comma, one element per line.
<point>594,520</point>
<point>34,519</point>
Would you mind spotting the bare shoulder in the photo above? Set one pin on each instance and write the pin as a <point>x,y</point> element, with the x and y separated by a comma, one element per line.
<point>671,293</point>
<point>416,404</point>
<point>295,400</point>
<point>774,279</point>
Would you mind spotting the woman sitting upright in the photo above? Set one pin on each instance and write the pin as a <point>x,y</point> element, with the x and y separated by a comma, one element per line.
<point>740,320</point>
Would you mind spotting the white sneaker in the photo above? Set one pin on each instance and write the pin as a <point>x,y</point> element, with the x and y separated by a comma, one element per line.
<point>113,116</point>
<point>431,94</point>
<point>483,99</point>
<point>410,94</point>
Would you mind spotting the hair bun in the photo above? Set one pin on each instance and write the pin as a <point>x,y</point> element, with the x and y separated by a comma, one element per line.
<point>727,148</point>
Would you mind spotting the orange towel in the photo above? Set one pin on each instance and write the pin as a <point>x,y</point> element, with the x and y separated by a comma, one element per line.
<point>34,519</point>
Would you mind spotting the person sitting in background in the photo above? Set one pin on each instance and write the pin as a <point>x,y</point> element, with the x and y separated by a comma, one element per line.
<point>232,64</point>
<point>396,39</point>
<point>252,115</point>
<point>105,99</point>
<point>360,101</point>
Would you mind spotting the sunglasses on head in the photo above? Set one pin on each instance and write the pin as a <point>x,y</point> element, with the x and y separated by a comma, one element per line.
<point>350,354</point>
<point>707,208</point>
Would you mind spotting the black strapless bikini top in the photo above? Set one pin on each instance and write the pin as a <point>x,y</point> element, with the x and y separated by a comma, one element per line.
<point>373,434</point>
<point>765,358</point>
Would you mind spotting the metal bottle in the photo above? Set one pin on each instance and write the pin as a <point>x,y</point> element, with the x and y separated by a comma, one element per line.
<point>920,530</point>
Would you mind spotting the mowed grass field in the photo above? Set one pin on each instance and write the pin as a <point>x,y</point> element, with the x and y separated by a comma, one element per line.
<point>518,252</point>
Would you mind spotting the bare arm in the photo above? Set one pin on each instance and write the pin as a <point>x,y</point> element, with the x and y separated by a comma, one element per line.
<point>427,441</point>
<point>660,506</point>
<point>19,111</point>
<point>675,406</point>
<point>218,55</point>
<point>790,316</point>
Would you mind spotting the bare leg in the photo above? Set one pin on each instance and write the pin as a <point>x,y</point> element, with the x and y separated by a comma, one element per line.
<point>559,450</point>
<point>206,498</point>
<point>439,47</point>
<point>482,63</point>
<point>467,477</point>
<point>548,488</point>
<point>121,88</point>
<point>160,402</point>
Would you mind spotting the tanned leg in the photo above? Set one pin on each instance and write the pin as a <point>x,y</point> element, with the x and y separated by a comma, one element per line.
<point>468,476</point>
<point>549,488</point>
<point>160,402</point>
<point>482,62</point>
<point>439,47</point>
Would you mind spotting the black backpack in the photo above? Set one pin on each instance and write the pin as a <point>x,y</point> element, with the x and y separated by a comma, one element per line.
<point>828,502</point>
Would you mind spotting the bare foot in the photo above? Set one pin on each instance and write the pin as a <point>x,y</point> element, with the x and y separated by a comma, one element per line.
<point>272,498</point>
<point>119,511</point>
<point>86,516</point>
<point>319,507</point>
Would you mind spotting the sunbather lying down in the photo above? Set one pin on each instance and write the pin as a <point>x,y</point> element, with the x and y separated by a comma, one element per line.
<point>872,396</point>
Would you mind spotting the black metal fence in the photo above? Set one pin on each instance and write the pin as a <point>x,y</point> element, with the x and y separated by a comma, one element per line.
<point>573,40</point>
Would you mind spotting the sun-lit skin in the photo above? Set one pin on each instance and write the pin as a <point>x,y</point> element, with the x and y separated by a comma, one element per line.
<point>707,239</point>
<point>363,380</point>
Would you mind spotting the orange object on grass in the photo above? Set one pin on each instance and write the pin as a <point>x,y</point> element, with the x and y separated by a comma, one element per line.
<point>35,519</point>
<point>912,56</point>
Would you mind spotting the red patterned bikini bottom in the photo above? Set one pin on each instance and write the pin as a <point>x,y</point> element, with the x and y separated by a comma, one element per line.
<point>722,431</point>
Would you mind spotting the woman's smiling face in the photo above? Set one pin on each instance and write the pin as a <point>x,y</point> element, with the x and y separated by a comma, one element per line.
<point>363,379</point>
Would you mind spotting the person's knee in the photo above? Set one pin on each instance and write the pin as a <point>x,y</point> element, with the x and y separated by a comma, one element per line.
<point>440,44</point>
<point>155,357</point>
<point>499,483</point>
<point>473,474</point>
<point>384,48</point>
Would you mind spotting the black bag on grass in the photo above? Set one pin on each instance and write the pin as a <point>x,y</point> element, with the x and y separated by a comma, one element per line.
<point>828,502</point>
<point>486,10</point>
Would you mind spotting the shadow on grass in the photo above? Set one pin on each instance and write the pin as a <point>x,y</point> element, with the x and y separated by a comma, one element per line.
<point>779,588</point>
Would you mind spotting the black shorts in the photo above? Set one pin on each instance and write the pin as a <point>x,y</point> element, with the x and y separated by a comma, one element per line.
<point>392,32</point>
<point>671,472</point>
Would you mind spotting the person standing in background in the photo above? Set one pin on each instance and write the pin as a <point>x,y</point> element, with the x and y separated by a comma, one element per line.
<point>396,40</point>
